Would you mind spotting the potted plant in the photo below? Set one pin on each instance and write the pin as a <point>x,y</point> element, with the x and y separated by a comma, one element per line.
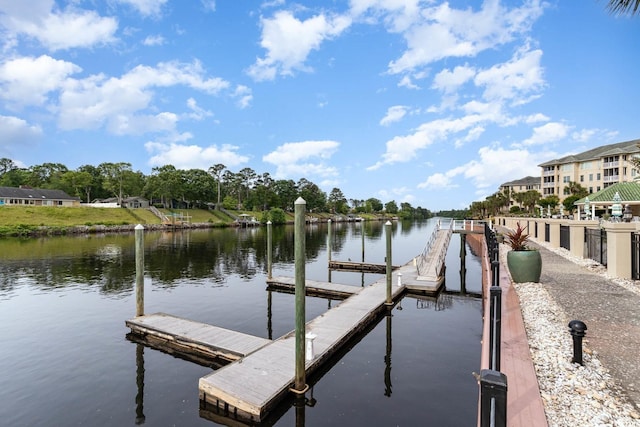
<point>524,262</point>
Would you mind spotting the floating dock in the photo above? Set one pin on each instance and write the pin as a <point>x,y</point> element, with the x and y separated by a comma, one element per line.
<point>194,338</point>
<point>260,372</point>
<point>312,288</point>
<point>360,267</point>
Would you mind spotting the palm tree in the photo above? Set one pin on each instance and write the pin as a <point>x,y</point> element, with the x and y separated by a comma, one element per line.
<point>622,7</point>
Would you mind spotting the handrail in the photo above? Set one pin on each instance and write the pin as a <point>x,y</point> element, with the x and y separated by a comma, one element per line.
<point>422,258</point>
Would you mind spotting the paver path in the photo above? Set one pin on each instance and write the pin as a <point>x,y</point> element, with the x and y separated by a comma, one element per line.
<point>611,312</point>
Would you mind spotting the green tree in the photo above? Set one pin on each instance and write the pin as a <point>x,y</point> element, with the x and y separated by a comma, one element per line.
<point>80,182</point>
<point>47,175</point>
<point>374,205</point>
<point>336,202</point>
<point>114,178</point>
<point>391,207</point>
<point>286,194</point>
<point>217,171</point>
<point>312,194</point>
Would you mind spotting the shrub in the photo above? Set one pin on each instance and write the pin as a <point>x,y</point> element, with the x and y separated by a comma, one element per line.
<point>518,239</point>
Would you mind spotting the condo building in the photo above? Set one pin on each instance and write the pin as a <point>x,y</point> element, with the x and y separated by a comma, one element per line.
<point>594,169</point>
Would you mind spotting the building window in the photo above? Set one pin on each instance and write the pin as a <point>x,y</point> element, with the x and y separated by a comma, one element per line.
<point>598,188</point>
<point>590,190</point>
<point>624,171</point>
<point>581,178</point>
<point>590,177</point>
<point>566,179</point>
<point>598,176</point>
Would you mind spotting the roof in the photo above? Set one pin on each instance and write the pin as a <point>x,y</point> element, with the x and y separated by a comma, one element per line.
<point>626,147</point>
<point>629,193</point>
<point>35,193</point>
<point>528,180</point>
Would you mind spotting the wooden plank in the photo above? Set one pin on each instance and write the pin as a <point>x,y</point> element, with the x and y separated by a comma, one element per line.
<point>312,287</point>
<point>359,267</point>
<point>195,337</point>
<point>254,385</point>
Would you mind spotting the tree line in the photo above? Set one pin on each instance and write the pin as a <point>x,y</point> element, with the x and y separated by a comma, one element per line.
<point>173,188</point>
<point>527,201</point>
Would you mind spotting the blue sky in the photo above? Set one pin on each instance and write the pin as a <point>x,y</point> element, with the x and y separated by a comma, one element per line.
<point>426,102</point>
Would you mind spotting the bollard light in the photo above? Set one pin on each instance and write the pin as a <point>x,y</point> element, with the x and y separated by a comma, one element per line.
<point>309,352</point>
<point>577,329</point>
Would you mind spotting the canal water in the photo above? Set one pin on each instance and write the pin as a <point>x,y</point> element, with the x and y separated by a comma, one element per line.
<point>65,359</point>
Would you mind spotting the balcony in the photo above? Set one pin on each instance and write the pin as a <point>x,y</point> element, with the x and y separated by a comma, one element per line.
<point>548,173</point>
<point>548,185</point>
<point>609,165</point>
<point>611,178</point>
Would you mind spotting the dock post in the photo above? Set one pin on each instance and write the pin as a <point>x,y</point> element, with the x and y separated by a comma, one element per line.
<point>139,233</point>
<point>362,232</point>
<point>329,237</point>
<point>269,251</point>
<point>140,418</point>
<point>387,227</point>
<point>463,263</point>
<point>299,253</point>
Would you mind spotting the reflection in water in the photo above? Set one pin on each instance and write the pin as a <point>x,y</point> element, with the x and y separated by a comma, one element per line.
<point>172,258</point>
<point>387,359</point>
<point>140,418</point>
<point>443,302</point>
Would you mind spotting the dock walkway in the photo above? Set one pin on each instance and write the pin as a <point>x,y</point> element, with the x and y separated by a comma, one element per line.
<point>250,388</point>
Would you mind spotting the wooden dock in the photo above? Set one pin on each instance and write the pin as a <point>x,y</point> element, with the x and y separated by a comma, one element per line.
<point>250,388</point>
<point>195,338</point>
<point>431,265</point>
<point>364,267</point>
<point>313,288</point>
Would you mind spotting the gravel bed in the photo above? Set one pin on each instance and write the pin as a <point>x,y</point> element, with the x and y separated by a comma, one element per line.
<point>572,395</point>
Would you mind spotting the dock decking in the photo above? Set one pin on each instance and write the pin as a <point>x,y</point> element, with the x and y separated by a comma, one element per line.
<point>252,386</point>
<point>313,288</point>
<point>365,267</point>
<point>196,338</point>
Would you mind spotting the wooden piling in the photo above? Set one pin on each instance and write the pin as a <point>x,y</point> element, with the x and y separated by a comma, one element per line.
<point>139,233</point>
<point>300,261</point>
<point>387,227</point>
<point>269,251</point>
<point>329,243</point>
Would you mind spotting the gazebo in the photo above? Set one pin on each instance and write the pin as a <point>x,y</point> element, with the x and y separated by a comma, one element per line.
<point>629,193</point>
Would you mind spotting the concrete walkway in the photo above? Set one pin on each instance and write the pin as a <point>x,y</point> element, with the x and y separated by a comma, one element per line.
<point>611,312</point>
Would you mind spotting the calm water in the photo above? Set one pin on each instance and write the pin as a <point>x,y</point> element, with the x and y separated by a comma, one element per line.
<point>65,360</point>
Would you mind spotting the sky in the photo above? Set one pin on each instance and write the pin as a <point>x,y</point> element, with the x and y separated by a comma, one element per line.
<point>426,102</point>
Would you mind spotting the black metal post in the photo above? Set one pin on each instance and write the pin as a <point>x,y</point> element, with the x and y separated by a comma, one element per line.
<point>577,329</point>
<point>495,326</point>
<point>495,273</point>
<point>493,398</point>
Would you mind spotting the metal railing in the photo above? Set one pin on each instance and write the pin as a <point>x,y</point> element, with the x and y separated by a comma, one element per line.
<point>422,258</point>
<point>635,256</point>
<point>565,237</point>
<point>596,244</point>
<point>493,383</point>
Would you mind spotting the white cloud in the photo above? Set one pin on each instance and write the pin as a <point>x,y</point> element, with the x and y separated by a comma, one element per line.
<point>146,7</point>
<point>517,80</point>
<point>394,114</point>
<point>494,166</point>
<point>97,100</point>
<point>244,96</point>
<point>15,132</point>
<point>29,80</point>
<point>197,113</point>
<point>303,159</point>
<point>404,148</point>
<point>156,40</point>
<point>449,81</point>
<point>584,135</point>
<point>209,5</point>
<point>549,132</point>
<point>443,32</point>
<point>56,30</point>
<point>438,181</point>
<point>193,156</point>
<point>289,41</point>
